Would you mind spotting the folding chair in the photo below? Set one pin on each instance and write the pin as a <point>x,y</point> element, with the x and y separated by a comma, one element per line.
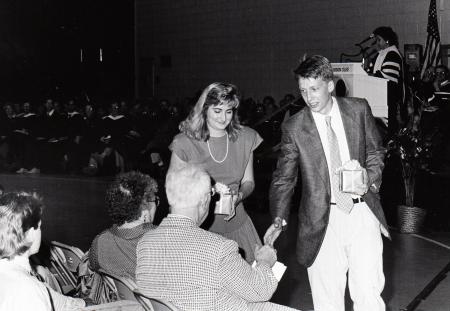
<point>65,260</point>
<point>124,286</point>
<point>154,304</point>
<point>128,290</point>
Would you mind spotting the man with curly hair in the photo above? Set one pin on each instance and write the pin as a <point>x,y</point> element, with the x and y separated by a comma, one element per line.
<point>131,201</point>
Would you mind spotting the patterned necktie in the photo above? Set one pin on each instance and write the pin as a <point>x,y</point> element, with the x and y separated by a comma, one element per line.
<point>343,200</point>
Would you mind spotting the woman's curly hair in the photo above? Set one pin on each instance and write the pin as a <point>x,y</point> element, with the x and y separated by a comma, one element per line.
<point>126,194</point>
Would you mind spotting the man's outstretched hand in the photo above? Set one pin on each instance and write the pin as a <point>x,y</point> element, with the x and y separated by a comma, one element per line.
<point>273,232</point>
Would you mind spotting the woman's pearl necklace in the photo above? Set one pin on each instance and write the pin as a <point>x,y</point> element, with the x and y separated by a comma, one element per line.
<point>210,153</point>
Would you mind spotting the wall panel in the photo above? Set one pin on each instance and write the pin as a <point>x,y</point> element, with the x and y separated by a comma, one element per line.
<point>257,43</point>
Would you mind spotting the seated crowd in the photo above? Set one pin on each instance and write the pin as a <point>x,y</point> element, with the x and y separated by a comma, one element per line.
<point>177,261</point>
<point>77,138</point>
<point>80,137</point>
<point>86,138</point>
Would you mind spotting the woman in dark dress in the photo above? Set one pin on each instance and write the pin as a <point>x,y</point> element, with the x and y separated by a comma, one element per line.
<point>212,137</point>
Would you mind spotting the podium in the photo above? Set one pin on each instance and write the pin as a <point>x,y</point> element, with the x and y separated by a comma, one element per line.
<point>351,80</point>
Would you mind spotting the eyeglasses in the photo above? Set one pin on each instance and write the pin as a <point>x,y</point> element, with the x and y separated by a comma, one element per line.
<point>156,200</point>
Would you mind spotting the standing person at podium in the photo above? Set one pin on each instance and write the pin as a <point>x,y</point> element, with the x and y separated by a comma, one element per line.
<point>389,65</point>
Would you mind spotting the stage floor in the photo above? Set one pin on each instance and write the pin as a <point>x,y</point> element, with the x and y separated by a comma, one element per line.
<point>75,212</point>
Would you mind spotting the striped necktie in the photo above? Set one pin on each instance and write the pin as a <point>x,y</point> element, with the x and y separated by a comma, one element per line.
<point>343,200</point>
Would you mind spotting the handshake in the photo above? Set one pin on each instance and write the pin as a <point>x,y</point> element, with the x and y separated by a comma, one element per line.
<point>266,255</point>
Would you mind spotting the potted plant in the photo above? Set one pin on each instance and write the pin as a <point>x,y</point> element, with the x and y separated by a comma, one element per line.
<point>413,150</point>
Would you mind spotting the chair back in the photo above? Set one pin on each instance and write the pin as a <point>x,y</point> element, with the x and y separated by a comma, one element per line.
<point>99,288</point>
<point>154,304</point>
<point>73,255</point>
<point>65,260</point>
<point>124,286</point>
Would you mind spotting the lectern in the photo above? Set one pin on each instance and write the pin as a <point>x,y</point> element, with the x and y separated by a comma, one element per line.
<point>351,80</point>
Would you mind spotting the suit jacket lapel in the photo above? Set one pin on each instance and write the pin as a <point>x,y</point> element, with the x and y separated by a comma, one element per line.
<point>348,120</point>
<point>310,135</point>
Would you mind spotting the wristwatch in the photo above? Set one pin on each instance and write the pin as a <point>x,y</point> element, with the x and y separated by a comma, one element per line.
<point>278,221</point>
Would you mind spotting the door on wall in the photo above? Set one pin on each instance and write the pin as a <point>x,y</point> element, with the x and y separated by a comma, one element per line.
<point>445,54</point>
<point>146,72</point>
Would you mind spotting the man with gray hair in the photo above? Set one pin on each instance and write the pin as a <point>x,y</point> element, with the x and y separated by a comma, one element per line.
<point>196,269</point>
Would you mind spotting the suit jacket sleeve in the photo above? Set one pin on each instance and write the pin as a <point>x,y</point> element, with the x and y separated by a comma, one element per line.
<point>235,275</point>
<point>285,176</point>
<point>374,150</point>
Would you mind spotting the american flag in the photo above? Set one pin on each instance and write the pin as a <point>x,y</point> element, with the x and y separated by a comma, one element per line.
<point>433,47</point>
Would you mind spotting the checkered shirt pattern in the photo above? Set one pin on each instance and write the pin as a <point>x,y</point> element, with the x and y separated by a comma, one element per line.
<point>200,270</point>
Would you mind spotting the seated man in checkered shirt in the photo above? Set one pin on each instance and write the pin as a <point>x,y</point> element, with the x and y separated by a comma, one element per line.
<point>196,269</point>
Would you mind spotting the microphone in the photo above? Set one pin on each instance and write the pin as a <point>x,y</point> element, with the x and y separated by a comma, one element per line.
<point>366,39</point>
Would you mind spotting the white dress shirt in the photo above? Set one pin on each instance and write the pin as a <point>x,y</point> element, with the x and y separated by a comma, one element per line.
<point>338,128</point>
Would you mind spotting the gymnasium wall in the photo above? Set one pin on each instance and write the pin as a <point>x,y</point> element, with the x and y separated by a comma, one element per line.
<point>183,45</point>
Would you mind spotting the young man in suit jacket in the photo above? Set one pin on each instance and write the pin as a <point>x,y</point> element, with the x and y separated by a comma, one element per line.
<point>196,269</point>
<point>338,232</point>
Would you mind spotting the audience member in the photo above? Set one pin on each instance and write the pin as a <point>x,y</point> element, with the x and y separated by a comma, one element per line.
<point>196,269</point>
<point>53,138</point>
<point>73,149</point>
<point>168,127</point>
<point>131,201</point>
<point>269,126</point>
<point>9,111</point>
<point>24,145</point>
<point>7,123</point>
<point>424,87</point>
<point>245,111</point>
<point>441,82</point>
<point>20,237</point>
<point>115,127</point>
<point>292,106</point>
<point>92,147</point>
